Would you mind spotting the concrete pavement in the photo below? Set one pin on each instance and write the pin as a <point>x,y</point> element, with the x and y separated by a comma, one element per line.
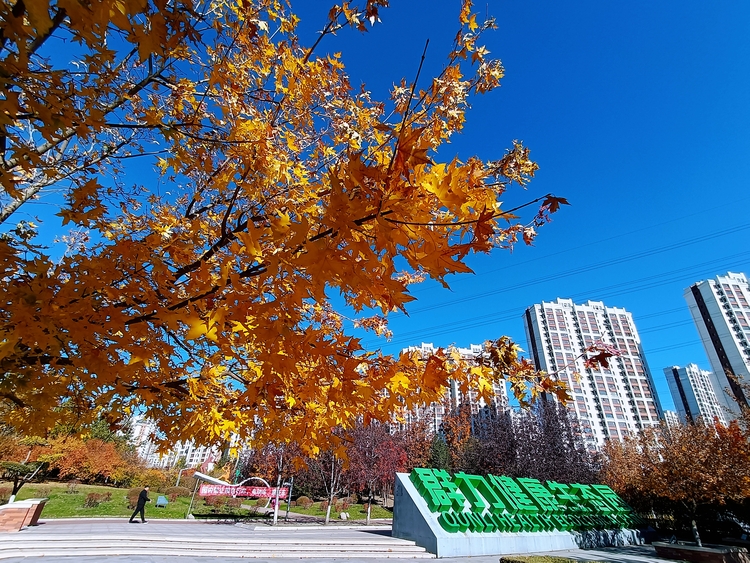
<point>184,541</point>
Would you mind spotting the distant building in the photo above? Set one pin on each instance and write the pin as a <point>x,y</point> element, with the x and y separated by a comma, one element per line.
<point>184,454</point>
<point>142,432</point>
<point>435,412</point>
<point>721,310</point>
<point>693,394</point>
<point>609,403</point>
<point>671,418</point>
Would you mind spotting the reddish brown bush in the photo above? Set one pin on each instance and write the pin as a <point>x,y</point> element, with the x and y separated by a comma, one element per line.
<point>95,499</point>
<point>177,491</point>
<point>217,503</point>
<point>304,502</point>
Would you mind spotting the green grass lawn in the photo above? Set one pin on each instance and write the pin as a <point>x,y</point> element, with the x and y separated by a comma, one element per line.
<point>356,511</point>
<point>62,504</point>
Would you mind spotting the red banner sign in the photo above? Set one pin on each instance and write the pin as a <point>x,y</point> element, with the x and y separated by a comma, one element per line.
<point>207,490</point>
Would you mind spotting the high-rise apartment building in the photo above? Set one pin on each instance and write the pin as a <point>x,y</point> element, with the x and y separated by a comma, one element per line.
<point>186,454</point>
<point>453,396</point>
<point>609,403</point>
<point>721,311</point>
<point>671,418</point>
<point>693,394</point>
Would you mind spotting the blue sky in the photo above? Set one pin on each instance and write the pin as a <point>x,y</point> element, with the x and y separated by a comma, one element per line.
<point>636,112</point>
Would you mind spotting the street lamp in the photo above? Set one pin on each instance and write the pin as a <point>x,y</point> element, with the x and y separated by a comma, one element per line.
<point>179,474</point>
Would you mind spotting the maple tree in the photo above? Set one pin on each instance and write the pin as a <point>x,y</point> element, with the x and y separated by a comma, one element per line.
<point>19,474</point>
<point>456,431</point>
<point>259,462</point>
<point>690,471</point>
<point>24,459</point>
<point>549,446</point>
<point>89,460</point>
<point>201,298</point>
<point>374,458</point>
<point>65,118</point>
<point>416,442</point>
<point>328,465</point>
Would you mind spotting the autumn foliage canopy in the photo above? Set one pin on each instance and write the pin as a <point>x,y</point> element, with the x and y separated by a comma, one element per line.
<point>199,294</point>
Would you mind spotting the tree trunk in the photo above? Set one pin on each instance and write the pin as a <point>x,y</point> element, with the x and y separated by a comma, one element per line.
<point>369,507</point>
<point>279,467</point>
<point>17,484</point>
<point>695,533</point>
<point>276,501</point>
<point>328,510</point>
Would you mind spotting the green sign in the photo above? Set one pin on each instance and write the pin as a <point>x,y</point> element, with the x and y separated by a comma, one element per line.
<point>504,504</point>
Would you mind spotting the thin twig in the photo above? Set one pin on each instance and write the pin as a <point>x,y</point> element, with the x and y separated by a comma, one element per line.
<point>468,221</point>
<point>406,111</point>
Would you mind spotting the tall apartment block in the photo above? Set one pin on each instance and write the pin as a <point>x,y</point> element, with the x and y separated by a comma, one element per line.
<point>693,394</point>
<point>721,311</point>
<point>453,396</point>
<point>609,403</point>
<point>671,418</point>
<point>142,434</point>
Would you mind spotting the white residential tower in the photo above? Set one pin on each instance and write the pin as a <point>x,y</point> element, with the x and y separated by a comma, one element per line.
<point>721,311</point>
<point>453,396</point>
<point>609,403</point>
<point>693,394</point>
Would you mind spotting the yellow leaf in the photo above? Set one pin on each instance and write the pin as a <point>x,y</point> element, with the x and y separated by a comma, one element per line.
<point>38,12</point>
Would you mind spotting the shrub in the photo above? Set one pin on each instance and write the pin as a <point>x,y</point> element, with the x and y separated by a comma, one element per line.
<point>155,478</point>
<point>73,487</point>
<point>343,505</point>
<point>293,503</point>
<point>95,499</point>
<point>234,502</point>
<point>44,491</point>
<point>172,497</point>
<point>187,480</point>
<point>177,492</point>
<point>216,503</point>
<point>133,496</point>
<point>324,505</point>
<point>5,494</point>
<point>261,502</point>
<point>305,502</point>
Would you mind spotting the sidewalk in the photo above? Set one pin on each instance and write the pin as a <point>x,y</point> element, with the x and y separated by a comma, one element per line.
<point>66,541</point>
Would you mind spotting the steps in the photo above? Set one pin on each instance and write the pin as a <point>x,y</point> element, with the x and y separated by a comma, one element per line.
<point>208,541</point>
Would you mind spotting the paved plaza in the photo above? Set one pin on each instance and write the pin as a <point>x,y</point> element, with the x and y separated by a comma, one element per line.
<point>183,541</point>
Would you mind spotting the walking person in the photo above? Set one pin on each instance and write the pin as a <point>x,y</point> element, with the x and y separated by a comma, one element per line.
<point>141,506</point>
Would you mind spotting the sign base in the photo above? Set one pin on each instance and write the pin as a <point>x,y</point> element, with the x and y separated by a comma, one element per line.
<point>413,520</point>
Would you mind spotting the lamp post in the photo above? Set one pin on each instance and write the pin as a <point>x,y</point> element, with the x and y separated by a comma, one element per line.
<point>289,496</point>
<point>179,474</point>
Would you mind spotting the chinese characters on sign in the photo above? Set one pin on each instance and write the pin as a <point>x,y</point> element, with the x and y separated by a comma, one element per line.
<point>241,491</point>
<point>503,504</point>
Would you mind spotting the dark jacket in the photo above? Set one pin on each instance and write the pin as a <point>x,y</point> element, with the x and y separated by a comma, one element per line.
<point>143,498</point>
